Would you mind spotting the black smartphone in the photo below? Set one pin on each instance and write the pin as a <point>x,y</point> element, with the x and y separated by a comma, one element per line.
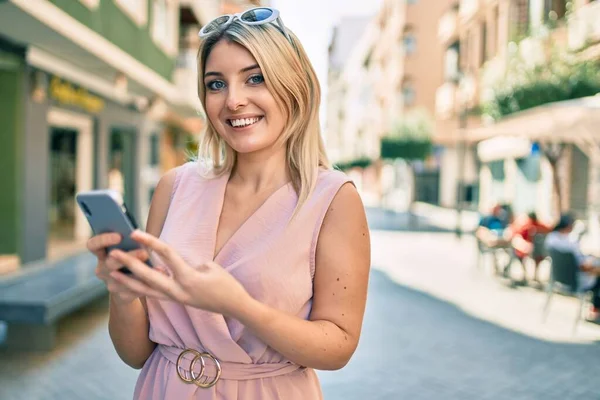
<point>106,213</point>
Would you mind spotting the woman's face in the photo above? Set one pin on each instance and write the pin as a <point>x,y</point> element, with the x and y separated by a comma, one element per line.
<point>238,103</point>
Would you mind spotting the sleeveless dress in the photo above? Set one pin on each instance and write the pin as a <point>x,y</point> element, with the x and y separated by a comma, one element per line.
<point>274,261</point>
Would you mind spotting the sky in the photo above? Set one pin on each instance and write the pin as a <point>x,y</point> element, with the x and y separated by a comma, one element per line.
<point>313,21</point>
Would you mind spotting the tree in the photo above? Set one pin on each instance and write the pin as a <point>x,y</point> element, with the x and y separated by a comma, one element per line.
<point>553,152</point>
<point>410,140</point>
<point>525,85</point>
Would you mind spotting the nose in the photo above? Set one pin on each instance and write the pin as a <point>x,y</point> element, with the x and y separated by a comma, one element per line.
<point>236,99</point>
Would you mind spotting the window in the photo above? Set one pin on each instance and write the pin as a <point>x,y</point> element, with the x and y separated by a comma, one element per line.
<point>484,50</point>
<point>497,170</point>
<point>408,94</point>
<point>91,4</point>
<point>137,10</point>
<point>164,25</point>
<point>410,43</point>
<point>154,150</point>
<point>368,59</point>
<point>555,9</point>
<point>451,61</point>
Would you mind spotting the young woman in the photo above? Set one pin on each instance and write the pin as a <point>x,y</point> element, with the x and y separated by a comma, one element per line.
<point>262,254</point>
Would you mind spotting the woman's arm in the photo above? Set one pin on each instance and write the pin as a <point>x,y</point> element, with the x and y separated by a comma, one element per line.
<point>128,323</point>
<point>343,257</point>
<point>329,338</point>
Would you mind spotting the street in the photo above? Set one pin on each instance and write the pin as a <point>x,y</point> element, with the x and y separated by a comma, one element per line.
<point>435,327</point>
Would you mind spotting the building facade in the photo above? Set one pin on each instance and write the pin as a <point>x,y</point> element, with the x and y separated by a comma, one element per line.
<point>392,70</point>
<point>484,40</point>
<point>95,94</point>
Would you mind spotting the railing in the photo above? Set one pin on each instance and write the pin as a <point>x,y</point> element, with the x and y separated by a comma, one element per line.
<point>584,26</point>
<point>448,26</point>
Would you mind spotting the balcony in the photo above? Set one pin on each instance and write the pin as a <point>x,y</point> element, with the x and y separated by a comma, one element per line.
<point>468,8</point>
<point>448,27</point>
<point>186,76</point>
<point>445,100</point>
<point>584,26</point>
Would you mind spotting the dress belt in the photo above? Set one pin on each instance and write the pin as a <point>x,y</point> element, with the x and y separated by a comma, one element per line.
<point>225,369</point>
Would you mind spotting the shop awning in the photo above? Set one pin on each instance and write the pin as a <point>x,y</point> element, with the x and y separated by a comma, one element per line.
<point>59,44</point>
<point>572,121</point>
<point>501,147</point>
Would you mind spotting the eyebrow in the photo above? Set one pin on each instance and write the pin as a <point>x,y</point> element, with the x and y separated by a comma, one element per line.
<point>213,73</point>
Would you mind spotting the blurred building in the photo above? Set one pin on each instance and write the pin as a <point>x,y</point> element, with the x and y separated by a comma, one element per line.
<point>503,161</point>
<point>393,68</point>
<point>345,36</point>
<point>95,94</point>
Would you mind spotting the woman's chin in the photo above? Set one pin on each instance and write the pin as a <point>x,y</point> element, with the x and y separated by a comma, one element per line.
<point>248,146</point>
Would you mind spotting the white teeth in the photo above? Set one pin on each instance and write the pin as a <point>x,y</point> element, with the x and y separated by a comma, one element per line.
<point>243,122</point>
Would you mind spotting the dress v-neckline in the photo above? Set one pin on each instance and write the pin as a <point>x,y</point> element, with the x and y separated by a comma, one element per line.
<point>223,182</point>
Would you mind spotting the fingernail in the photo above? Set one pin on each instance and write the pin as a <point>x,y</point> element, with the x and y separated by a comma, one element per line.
<point>114,253</point>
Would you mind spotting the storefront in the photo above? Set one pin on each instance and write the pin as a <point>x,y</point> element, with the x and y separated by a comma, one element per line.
<point>517,168</point>
<point>77,140</point>
<point>12,65</point>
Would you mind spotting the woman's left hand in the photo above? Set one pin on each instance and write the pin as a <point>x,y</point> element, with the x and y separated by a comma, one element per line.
<point>208,286</point>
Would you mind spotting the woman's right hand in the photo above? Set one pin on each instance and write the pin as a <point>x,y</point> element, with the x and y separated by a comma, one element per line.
<point>107,266</point>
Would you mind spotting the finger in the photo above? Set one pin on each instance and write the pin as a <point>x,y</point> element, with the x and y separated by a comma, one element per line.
<point>149,276</point>
<point>97,244</point>
<point>162,270</point>
<point>137,287</point>
<point>140,254</point>
<point>113,263</point>
<point>163,250</point>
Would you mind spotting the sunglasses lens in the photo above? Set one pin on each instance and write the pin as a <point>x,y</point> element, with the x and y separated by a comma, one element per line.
<point>256,15</point>
<point>214,25</point>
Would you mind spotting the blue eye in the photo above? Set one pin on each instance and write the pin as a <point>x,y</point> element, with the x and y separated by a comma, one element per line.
<point>215,85</point>
<point>256,79</point>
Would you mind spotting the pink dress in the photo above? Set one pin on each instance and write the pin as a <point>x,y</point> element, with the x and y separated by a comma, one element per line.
<point>274,260</point>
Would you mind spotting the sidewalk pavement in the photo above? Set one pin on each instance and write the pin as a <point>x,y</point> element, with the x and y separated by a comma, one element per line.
<point>445,267</point>
<point>435,327</point>
<point>423,217</point>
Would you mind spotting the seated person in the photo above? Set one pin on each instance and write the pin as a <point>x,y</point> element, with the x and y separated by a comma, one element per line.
<point>491,227</point>
<point>524,232</point>
<point>492,232</point>
<point>589,277</point>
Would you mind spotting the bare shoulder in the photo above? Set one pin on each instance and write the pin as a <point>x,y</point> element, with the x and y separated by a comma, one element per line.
<point>161,200</point>
<point>346,211</point>
<point>344,236</point>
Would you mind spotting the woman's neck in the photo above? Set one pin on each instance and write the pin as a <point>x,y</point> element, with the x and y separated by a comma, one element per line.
<point>261,171</point>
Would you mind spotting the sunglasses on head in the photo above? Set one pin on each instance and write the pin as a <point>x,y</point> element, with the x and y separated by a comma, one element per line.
<point>253,16</point>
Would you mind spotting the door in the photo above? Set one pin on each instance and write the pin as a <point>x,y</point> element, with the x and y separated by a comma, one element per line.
<point>70,170</point>
<point>121,164</point>
<point>63,164</point>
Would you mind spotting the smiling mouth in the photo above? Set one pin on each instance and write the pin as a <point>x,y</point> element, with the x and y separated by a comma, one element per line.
<point>243,122</point>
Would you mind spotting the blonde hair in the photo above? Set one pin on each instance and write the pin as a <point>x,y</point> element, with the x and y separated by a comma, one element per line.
<point>291,79</point>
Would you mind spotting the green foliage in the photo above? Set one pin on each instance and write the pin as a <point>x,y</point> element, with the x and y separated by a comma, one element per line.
<point>393,147</point>
<point>561,77</point>
<point>362,162</point>
<point>410,138</point>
